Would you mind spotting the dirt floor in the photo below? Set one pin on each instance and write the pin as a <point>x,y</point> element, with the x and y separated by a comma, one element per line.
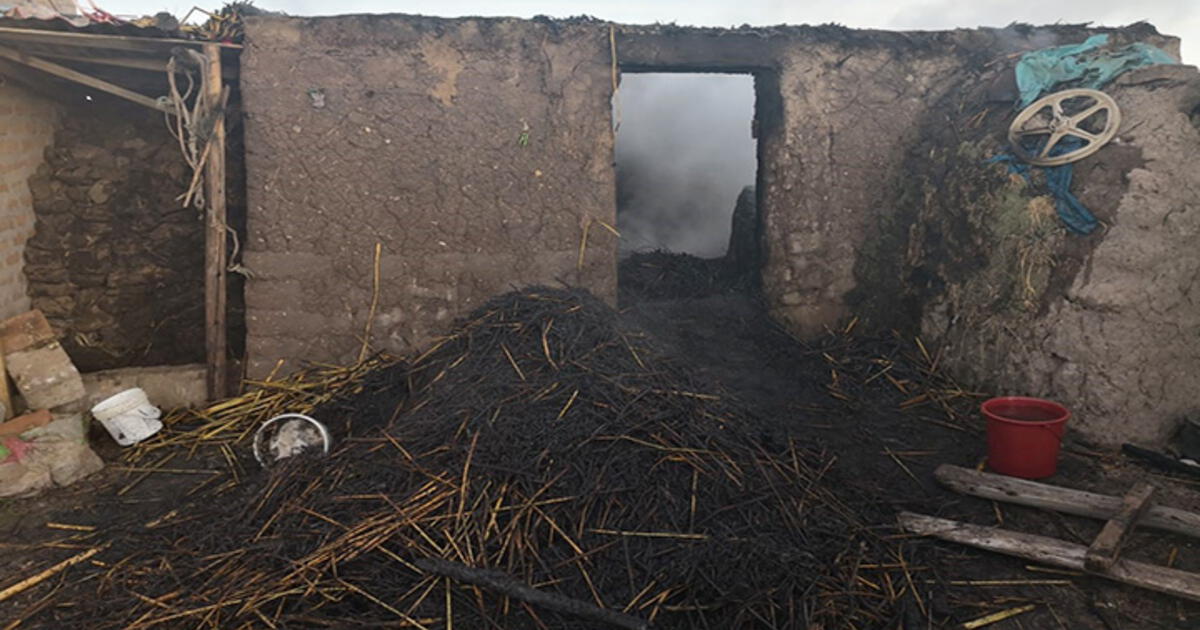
<point>831,392</point>
<point>849,394</point>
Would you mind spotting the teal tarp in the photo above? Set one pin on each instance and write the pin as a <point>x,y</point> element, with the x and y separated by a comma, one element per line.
<point>1085,65</point>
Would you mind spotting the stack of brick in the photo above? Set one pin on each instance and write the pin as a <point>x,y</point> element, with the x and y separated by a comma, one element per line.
<point>42,449</point>
<point>116,264</point>
<point>26,126</point>
<point>37,363</point>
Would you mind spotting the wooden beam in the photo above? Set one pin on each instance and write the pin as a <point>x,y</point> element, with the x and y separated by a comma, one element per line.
<point>110,42</point>
<point>149,64</point>
<point>1052,552</point>
<point>1107,546</point>
<point>152,64</point>
<point>215,238</point>
<point>36,82</point>
<point>79,77</point>
<point>1066,500</point>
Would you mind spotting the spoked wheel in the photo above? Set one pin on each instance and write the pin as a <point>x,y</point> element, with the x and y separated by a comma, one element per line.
<point>1074,123</point>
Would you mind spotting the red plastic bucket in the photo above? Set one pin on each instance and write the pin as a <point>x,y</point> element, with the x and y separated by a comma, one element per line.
<point>1024,435</point>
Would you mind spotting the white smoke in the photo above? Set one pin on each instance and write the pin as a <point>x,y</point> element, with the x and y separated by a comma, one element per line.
<point>684,152</point>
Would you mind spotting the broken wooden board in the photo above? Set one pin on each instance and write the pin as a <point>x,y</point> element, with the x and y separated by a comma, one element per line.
<point>1107,546</point>
<point>1065,500</point>
<point>1052,552</point>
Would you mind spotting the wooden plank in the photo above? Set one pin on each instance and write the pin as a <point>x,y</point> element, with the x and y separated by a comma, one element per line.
<point>110,42</point>
<point>1107,546</point>
<point>1052,552</point>
<point>1065,500</point>
<point>215,239</point>
<point>79,77</point>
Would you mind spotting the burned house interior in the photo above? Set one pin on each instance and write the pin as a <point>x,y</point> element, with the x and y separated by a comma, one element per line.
<point>420,322</point>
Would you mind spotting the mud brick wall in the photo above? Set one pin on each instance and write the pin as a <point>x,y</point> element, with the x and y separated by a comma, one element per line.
<point>1108,323</point>
<point>478,152</point>
<point>837,110</point>
<point>116,264</point>
<point>26,126</point>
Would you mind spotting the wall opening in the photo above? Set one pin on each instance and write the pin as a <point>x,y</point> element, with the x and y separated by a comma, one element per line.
<point>687,164</point>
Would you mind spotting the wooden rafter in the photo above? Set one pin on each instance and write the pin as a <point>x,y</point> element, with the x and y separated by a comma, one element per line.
<point>155,64</point>
<point>110,42</point>
<point>79,77</point>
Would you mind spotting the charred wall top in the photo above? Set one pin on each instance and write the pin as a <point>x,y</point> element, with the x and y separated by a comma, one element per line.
<point>478,152</point>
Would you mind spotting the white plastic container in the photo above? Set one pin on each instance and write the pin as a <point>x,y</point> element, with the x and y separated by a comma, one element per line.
<point>129,416</point>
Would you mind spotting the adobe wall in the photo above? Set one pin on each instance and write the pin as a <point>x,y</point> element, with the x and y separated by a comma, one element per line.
<point>1105,323</point>
<point>478,152</point>
<point>27,123</point>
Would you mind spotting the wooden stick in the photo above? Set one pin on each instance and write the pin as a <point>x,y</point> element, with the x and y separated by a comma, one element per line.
<point>5,393</point>
<point>366,344</point>
<point>1107,546</point>
<point>1052,552</point>
<point>79,77</point>
<point>1066,500</point>
<point>505,585</point>
<point>214,235</point>
<point>997,617</point>
<point>34,580</point>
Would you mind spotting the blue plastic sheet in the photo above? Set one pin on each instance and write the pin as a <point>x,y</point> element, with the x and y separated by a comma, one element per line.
<point>1070,210</point>
<point>1086,65</point>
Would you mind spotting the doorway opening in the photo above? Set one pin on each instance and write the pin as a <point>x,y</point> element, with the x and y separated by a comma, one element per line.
<point>687,165</point>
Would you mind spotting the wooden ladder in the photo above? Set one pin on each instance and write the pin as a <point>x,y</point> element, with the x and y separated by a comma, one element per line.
<point>1101,558</point>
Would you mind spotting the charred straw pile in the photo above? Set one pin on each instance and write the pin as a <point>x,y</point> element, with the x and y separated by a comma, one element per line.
<point>663,275</point>
<point>542,454</point>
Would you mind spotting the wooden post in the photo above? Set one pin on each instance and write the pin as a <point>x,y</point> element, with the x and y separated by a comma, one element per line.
<point>214,235</point>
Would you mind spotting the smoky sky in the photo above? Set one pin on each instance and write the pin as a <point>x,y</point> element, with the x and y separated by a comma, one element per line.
<point>684,152</point>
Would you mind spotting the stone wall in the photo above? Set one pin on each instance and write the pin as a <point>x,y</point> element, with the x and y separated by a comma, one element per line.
<point>116,264</point>
<point>477,152</point>
<point>27,125</point>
